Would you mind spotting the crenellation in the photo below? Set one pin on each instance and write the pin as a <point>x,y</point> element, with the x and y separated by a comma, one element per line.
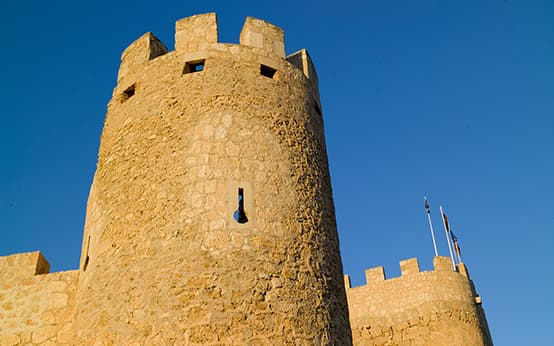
<point>434,307</point>
<point>138,53</point>
<point>302,60</point>
<point>376,274</point>
<point>409,267</point>
<point>196,39</point>
<point>347,282</point>
<point>442,263</point>
<point>23,265</point>
<point>263,35</point>
<point>196,33</point>
<point>462,269</point>
<point>35,306</point>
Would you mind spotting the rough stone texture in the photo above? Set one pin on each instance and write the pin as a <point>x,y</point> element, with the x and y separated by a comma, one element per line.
<point>260,34</point>
<point>196,33</point>
<point>34,308</point>
<point>23,265</point>
<point>160,232</point>
<point>163,259</point>
<point>419,308</point>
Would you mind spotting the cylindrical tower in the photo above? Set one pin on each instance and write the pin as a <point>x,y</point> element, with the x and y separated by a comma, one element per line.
<point>211,218</point>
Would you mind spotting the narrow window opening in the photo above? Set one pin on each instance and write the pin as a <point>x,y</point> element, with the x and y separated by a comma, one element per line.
<point>240,214</point>
<point>317,109</point>
<point>194,66</point>
<point>267,71</point>
<point>128,93</point>
<point>85,265</point>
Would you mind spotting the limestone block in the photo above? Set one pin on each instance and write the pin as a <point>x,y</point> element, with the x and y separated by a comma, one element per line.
<point>409,267</point>
<point>374,275</point>
<point>442,263</point>
<point>260,34</point>
<point>196,32</point>
<point>44,333</point>
<point>9,339</point>
<point>142,50</point>
<point>23,265</point>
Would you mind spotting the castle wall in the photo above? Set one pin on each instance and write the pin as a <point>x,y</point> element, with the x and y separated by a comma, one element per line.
<point>163,257</point>
<point>191,137</point>
<point>35,307</point>
<point>438,307</point>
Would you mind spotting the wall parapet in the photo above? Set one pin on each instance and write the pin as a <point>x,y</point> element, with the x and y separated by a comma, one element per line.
<point>197,36</point>
<point>434,307</point>
<point>23,265</point>
<point>142,50</point>
<point>410,267</point>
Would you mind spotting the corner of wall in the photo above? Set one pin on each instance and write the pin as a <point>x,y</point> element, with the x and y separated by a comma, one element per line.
<point>263,35</point>
<point>196,32</point>
<point>142,50</point>
<point>302,60</point>
<point>23,265</point>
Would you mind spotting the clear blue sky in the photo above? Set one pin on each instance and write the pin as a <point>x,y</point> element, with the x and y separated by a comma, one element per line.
<point>449,99</point>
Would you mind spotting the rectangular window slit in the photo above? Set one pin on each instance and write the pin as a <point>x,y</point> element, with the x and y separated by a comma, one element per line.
<point>268,71</point>
<point>128,93</point>
<point>85,265</point>
<point>194,66</point>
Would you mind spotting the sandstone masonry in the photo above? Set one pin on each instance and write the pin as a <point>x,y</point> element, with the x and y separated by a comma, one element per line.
<point>438,307</point>
<point>210,220</point>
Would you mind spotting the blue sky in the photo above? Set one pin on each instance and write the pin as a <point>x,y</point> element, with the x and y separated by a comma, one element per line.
<point>453,100</point>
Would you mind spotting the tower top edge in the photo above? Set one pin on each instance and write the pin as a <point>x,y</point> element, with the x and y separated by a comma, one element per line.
<point>200,31</point>
<point>410,268</point>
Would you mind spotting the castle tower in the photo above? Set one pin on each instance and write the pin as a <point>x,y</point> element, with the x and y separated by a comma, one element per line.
<point>210,218</point>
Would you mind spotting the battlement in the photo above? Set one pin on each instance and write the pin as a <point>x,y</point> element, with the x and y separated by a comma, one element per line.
<point>406,308</point>
<point>409,268</point>
<point>23,265</point>
<point>196,38</point>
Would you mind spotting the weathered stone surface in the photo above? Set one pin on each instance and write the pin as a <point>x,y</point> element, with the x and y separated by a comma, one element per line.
<point>165,255</point>
<point>191,137</point>
<point>9,339</point>
<point>44,333</point>
<point>33,308</point>
<point>419,308</point>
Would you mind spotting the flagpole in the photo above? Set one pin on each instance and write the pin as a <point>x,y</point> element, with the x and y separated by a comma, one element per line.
<point>447,238</point>
<point>431,225</point>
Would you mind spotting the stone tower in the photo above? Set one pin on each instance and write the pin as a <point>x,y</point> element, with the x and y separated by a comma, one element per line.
<point>210,219</point>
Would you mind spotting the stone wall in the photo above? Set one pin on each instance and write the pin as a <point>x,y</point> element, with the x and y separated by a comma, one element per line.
<point>163,257</point>
<point>190,137</point>
<point>35,307</point>
<point>438,307</point>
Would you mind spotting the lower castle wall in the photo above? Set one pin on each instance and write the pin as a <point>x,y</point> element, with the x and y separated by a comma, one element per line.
<point>419,308</point>
<point>35,309</point>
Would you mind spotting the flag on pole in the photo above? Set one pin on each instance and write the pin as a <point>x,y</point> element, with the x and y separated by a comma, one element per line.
<point>430,224</point>
<point>456,245</point>
<point>447,232</point>
<point>427,205</point>
<point>445,219</point>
